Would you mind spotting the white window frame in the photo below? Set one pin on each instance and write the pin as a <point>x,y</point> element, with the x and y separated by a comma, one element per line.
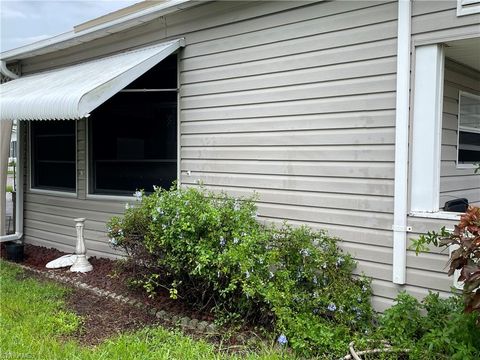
<point>459,127</point>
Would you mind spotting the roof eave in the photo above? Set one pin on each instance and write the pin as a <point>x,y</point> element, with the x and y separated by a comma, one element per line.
<point>71,38</point>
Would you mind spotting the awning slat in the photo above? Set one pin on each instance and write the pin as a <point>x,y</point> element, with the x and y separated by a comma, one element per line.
<point>72,92</point>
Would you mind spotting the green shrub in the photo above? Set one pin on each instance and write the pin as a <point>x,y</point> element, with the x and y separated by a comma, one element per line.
<point>210,250</point>
<point>432,329</point>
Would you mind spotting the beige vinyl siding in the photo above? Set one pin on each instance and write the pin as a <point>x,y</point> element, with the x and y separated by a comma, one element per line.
<point>292,100</point>
<point>456,182</point>
<point>303,114</point>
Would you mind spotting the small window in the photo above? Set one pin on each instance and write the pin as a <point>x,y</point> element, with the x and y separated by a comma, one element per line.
<point>468,128</point>
<point>53,155</point>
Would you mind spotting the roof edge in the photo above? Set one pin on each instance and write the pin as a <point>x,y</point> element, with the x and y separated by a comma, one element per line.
<point>72,38</point>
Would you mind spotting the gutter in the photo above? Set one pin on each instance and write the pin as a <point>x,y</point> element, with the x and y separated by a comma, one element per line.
<point>19,202</point>
<point>402,112</point>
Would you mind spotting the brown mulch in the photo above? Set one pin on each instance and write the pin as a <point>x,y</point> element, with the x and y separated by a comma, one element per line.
<point>104,317</point>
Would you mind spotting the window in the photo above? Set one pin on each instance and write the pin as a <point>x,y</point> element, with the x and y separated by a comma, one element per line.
<point>468,128</point>
<point>133,136</point>
<point>53,155</point>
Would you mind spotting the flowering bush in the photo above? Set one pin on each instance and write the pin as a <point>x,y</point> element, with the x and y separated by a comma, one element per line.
<point>210,250</point>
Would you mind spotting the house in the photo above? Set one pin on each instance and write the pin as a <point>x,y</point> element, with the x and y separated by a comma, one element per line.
<point>360,117</point>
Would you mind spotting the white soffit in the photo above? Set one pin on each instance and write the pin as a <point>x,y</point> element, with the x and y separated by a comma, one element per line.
<point>72,92</point>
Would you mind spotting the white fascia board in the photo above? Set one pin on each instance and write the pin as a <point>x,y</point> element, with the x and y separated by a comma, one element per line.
<point>71,38</point>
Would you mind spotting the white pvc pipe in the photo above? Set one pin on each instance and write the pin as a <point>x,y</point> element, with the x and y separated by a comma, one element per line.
<point>401,143</point>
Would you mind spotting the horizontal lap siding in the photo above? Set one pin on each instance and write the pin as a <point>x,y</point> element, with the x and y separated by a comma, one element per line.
<point>456,182</point>
<point>292,100</point>
<point>436,22</point>
<point>303,114</point>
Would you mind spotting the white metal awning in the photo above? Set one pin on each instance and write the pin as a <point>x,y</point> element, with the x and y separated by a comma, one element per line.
<point>72,92</point>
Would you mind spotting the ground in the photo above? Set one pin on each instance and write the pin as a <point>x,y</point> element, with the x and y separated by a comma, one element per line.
<point>44,320</point>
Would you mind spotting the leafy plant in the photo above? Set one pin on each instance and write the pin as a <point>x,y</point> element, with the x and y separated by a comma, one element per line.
<point>466,257</point>
<point>209,249</point>
<point>435,328</point>
<point>9,189</point>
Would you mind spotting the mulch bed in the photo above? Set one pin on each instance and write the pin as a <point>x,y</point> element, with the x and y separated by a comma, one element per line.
<point>102,316</point>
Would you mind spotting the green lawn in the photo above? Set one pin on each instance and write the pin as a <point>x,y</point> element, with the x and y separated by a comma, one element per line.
<point>34,323</point>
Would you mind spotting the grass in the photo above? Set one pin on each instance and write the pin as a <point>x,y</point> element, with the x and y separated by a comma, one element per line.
<point>35,323</point>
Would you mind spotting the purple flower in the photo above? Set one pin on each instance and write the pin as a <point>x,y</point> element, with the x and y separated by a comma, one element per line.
<point>315,281</point>
<point>282,340</point>
<point>331,307</point>
<point>305,252</point>
<point>138,195</point>
<point>222,241</point>
<point>340,261</point>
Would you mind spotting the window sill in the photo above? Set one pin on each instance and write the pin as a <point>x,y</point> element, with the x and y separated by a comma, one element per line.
<point>118,198</point>
<point>444,215</point>
<point>53,193</point>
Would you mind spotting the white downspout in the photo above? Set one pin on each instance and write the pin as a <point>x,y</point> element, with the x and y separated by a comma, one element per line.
<point>19,202</point>
<point>401,143</point>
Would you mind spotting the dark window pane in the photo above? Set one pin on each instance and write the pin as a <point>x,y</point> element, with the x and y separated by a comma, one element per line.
<point>468,147</point>
<point>116,177</point>
<point>133,142</point>
<point>161,76</point>
<point>53,155</point>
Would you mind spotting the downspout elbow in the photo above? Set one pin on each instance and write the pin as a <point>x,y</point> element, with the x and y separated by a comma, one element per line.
<point>6,71</point>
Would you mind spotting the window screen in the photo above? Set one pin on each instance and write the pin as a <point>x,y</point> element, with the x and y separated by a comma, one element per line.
<point>53,155</point>
<point>468,129</point>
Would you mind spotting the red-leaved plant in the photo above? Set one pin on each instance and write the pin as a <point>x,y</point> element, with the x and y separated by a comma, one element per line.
<point>465,258</point>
